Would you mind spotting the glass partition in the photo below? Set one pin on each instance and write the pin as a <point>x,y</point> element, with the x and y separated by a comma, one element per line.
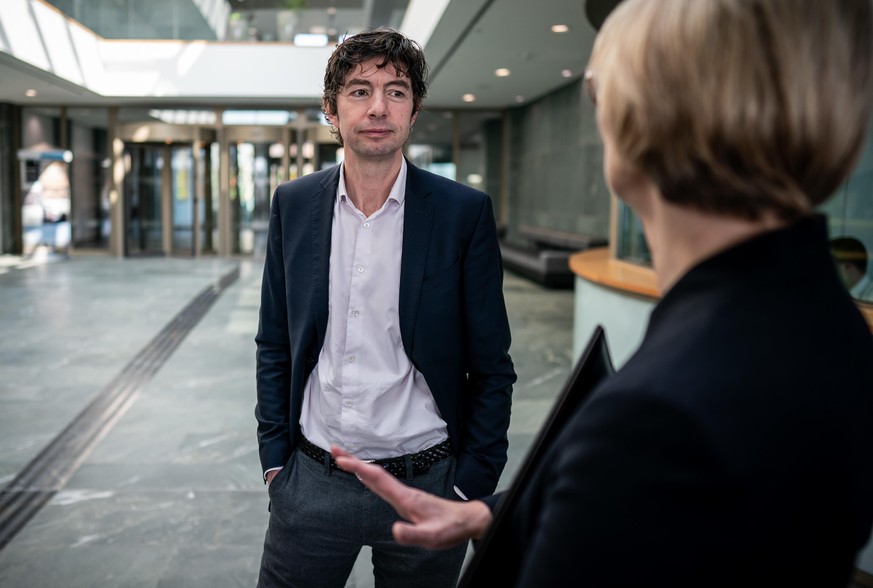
<point>481,135</point>
<point>143,189</point>
<point>89,176</point>
<point>631,242</point>
<point>301,22</point>
<point>850,223</point>
<point>183,198</point>
<point>430,143</point>
<point>253,172</point>
<point>465,146</point>
<point>208,176</point>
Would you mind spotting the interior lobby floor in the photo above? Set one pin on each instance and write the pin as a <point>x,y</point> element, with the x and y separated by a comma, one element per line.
<point>127,431</point>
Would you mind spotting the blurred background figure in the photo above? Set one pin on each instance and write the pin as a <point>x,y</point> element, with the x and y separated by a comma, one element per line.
<point>851,257</point>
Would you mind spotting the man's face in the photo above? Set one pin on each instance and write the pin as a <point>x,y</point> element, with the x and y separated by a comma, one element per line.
<point>374,111</point>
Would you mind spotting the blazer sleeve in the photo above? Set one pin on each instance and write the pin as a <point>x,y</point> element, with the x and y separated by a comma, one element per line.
<point>273,373</point>
<point>490,373</point>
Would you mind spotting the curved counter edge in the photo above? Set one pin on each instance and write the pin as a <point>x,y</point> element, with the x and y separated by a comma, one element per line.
<point>596,266</point>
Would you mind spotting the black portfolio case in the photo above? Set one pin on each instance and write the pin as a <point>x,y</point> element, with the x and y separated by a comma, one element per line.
<point>489,565</point>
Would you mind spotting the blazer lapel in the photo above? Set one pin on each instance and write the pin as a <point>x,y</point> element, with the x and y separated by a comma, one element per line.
<point>417,224</point>
<point>322,217</point>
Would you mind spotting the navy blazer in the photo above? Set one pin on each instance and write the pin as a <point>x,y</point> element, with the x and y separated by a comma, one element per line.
<point>734,448</point>
<point>453,320</point>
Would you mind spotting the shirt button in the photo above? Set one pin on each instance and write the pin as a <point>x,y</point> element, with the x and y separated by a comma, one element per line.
<point>347,403</point>
<point>355,313</point>
<point>360,269</point>
<point>351,359</point>
<point>366,225</point>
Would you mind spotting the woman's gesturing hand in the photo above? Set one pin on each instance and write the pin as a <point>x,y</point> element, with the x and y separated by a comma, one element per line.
<point>429,521</point>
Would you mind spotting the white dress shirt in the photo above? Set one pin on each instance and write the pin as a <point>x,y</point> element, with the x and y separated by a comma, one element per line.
<point>364,394</point>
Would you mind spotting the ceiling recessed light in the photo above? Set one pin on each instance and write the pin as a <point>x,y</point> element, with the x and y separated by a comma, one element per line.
<point>469,98</point>
<point>560,28</point>
<point>30,93</point>
<point>566,73</point>
<point>502,72</point>
<point>331,9</point>
<point>519,98</point>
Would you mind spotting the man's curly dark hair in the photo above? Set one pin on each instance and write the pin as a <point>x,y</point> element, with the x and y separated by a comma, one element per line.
<point>393,48</point>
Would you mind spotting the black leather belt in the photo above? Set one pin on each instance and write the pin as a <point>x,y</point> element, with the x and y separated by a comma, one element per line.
<point>405,466</point>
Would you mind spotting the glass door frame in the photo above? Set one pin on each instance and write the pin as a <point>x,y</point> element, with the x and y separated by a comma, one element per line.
<point>211,169</point>
<point>182,195</point>
<point>136,240</point>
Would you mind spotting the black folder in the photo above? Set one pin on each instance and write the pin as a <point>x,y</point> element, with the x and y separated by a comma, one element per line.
<point>489,565</point>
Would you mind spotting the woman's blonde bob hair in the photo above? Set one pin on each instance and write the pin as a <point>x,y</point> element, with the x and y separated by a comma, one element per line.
<point>737,106</point>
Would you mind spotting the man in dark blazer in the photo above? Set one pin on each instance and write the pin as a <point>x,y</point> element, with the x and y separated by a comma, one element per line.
<point>383,329</point>
<point>735,446</point>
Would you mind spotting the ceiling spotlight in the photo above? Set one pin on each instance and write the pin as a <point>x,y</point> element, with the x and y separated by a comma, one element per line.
<point>560,28</point>
<point>469,98</point>
<point>519,98</point>
<point>501,73</point>
<point>331,9</point>
<point>30,93</point>
<point>566,73</point>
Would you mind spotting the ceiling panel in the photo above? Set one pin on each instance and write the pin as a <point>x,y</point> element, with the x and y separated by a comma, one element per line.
<point>513,34</point>
<point>474,38</point>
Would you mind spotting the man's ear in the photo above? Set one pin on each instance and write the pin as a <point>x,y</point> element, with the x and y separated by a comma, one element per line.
<point>414,117</point>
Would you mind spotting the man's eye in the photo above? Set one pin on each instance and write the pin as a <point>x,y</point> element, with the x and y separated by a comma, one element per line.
<point>396,94</point>
<point>359,92</point>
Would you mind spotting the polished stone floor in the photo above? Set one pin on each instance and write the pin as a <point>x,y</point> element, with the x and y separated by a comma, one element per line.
<point>167,492</point>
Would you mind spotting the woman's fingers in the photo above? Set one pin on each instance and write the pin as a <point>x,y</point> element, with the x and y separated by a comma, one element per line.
<point>374,477</point>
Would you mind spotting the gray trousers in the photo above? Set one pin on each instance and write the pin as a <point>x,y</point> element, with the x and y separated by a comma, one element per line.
<point>320,518</point>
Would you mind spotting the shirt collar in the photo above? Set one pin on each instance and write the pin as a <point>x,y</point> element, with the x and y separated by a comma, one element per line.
<point>398,190</point>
